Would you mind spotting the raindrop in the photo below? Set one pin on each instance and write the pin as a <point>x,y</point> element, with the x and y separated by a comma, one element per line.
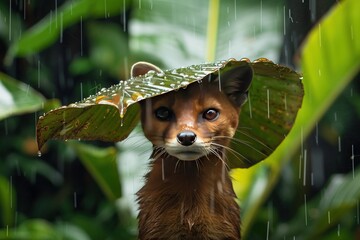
<point>10,17</point>
<point>220,187</point>
<point>75,200</point>
<point>267,230</point>
<point>338,230</point>
<point>124,16</point>
<point>268,102</point>
<point>150,73</point>
<point>312,178</point>
<point>136,96</point>
<point>11,193</point>
<point>353,160</point>
<point>339,143</point>
<point>329,217</point>
<point>304,173</point>
<point>319,34</point>
<point>306,216</point>
<point>290,17</point>
<point>162,170</point>
<point>235,17</point>
<point>81,36</point>
<point>212,200</point>
<point>317,133</point>
<point>284,20</point>
<point>250,109</point>
<point>160,74</point>
<point>24,16</point>
<point>56,14</point>
<point>39,153</point>
<point>81,91</point>
<point>261,15</point>
<point>38,73</point>
<point>61,27</point>
<point>357,212</point>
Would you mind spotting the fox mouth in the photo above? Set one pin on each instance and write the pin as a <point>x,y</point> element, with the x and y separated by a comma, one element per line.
<point>186,155</point>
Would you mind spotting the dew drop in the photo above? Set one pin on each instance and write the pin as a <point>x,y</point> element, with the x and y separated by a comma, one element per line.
<point>184,84</point>
<point>136,96</point>
<point>160,74</point>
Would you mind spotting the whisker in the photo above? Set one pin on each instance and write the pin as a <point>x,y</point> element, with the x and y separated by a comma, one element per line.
<point>248,144</point>
<point>255,139</point>
<point>236,154</point>
<point>217,153</point>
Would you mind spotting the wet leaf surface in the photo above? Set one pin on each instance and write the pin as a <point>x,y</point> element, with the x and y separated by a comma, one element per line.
<point>111,114</point>
<point>17,97</point>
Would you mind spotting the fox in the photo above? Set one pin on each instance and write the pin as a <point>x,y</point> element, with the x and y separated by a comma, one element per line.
<point>188,192</point>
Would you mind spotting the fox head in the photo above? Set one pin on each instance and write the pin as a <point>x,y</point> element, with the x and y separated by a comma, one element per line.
<point>199,120</point>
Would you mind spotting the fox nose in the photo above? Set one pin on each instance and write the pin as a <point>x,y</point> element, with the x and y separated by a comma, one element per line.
<point>186,138</point>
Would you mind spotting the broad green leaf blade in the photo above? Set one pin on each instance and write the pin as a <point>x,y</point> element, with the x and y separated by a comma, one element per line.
<point>17,97</point>
<point>330,60</point>
<point>111,114</point>
<point>46,32</point>
<point>38,229</point>
<point>35,229</point>
<point>90,122</point>
<point>7,202</point>
<point>101,163</point>
<point>340,197</point>
<point>275,97</point>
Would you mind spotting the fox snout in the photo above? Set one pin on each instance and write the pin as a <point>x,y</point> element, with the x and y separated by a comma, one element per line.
<point>186,138</point>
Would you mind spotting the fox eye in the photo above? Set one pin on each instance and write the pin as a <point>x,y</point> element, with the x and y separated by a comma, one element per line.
<point>211,114</point>
<point>163,113</point>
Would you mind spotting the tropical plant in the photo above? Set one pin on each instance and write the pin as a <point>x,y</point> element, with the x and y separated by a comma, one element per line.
<point>68,50</point>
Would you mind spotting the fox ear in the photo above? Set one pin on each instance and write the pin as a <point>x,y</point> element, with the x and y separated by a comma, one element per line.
<point>236,83</point>
<point>141,68</point>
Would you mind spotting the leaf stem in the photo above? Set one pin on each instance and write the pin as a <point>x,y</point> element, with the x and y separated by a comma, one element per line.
<point>212,30</point>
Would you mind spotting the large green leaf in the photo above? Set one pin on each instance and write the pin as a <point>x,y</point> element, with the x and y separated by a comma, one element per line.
<point>330,60</point>
<point>7,202</point>
<point>339,198</point>
<point>274,99</point>
<point>38,229</point>
<point>17,97</point>
<point>51,27</point>
<point>209,31</point>
<point>101,163</point>
<point>111,114</point>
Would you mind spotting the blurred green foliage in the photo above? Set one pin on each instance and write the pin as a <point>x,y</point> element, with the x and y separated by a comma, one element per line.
<point>64,50</point>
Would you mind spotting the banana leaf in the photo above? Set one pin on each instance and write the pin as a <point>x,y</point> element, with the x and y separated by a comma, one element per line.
<point>111,114</point>
<point>17,97</point>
